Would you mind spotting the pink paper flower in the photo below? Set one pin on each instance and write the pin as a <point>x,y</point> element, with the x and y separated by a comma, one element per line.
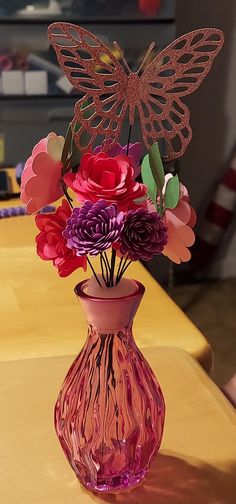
<point>108,178</point>
<point>179,223</point>
<point>52,246</point>
<point>40,182</point>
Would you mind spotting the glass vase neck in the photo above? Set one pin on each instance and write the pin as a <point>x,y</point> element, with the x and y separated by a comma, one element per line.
<point>110,314</point>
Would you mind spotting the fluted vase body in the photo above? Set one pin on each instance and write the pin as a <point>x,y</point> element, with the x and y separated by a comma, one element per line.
<point>110,411</point>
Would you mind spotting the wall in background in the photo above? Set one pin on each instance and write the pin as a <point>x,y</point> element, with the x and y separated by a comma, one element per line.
<point>213,117</point>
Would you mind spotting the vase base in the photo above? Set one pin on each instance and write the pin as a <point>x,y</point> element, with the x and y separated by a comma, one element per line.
<point>116,484</point>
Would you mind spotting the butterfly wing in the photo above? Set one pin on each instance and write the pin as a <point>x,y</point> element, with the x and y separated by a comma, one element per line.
<point>100,79</point>
<point>175,72</point>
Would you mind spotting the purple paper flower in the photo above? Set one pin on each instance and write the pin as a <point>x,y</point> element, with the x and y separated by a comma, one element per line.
<point>144,234</point>
<point>135,150</point>
<point>92,228</point>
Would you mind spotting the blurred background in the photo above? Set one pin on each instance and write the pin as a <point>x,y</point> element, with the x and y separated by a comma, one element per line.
<point>36,98</point>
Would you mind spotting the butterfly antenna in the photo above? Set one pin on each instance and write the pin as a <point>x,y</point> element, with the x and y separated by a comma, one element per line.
<point>116,45</point>
<point>150,49</point>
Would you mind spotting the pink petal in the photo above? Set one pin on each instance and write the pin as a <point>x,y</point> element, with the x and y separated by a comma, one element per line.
<point>23,197</point>
<point>184,192</point>
<point>178,238</point>
<point>42,163</point>
<point>27,172</point>
<point>33,205</point>
<point>41,146</point>
<point>182,212</point>
<point>177,251</point>
<point>186,236</point>
<point>168,252</point>
<point>193,218</point>
<point>44,187</point>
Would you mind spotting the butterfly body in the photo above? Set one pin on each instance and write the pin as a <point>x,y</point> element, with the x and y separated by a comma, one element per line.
<point>108,91</point>
<point>134,92</point>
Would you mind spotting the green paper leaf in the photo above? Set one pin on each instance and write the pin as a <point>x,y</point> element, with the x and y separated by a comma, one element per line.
<point>157,166</point>
<point>148,179</point>
<point>172,192</point>
<point>67,146</point>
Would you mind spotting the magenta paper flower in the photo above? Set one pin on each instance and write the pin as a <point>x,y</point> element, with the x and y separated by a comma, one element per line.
<point>93,228</point>
<point>135,152</point>
<point>108,178</point>
<point>179,222</point>
<point>144,234</point>
<point>51,244</point>
<point>40,182</point>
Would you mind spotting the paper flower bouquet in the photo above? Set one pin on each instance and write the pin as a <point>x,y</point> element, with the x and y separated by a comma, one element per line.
<point>119,205</point>
<point>113,210</point>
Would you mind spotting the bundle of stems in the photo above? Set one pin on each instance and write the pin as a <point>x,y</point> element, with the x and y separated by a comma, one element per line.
<point>111,272</point>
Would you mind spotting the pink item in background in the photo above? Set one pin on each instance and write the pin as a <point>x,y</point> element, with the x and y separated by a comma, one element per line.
<point>108,178</point>
<point>149,7</point>
<point>41,177</point>
<point>51,245</point>
<point>110,412</point>
<point>6,62</point>
<point>179,222</point>
<point>21,62</point>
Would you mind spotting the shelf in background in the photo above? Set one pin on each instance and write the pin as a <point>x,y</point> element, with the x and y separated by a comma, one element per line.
<point>83,21</point>
<point>37,97</point>
<point>86,12</point>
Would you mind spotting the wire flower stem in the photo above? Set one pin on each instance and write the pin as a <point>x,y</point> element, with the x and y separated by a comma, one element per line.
<point>104,269</point>
<point>107,261</point>
<point>123,269</point>
<point>113,262</point>
<point>119,269</point>
<point>129,135</point>
<point>94,272</point>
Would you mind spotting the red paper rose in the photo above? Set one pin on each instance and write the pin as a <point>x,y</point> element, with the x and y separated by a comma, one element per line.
<point>104,177</point>
<point>51,245</point>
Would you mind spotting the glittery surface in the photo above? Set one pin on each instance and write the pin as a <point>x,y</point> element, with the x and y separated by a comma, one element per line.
<point>108,90</point>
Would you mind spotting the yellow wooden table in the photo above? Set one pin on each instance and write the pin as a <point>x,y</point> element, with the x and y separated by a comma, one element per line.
<point>40,315</point>
<point>196,464</point>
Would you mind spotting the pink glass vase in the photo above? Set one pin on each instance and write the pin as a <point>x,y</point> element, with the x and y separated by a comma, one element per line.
<point>109,415</point>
